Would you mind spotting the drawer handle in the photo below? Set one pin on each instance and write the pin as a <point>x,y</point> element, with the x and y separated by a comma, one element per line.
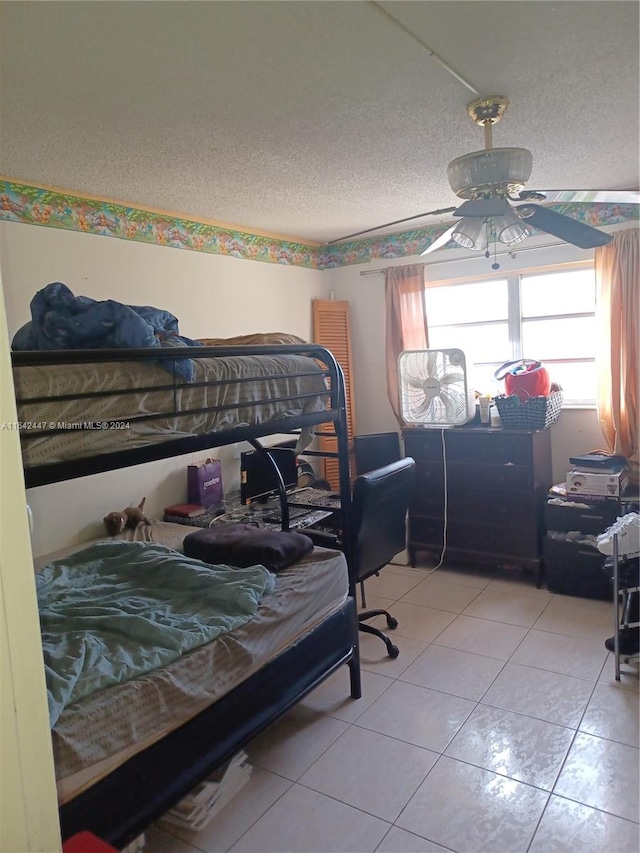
<point>592,517</point>
<point>592,553</point>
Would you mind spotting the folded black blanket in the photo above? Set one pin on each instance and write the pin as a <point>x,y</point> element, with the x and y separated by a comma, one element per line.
<point>244,545</point>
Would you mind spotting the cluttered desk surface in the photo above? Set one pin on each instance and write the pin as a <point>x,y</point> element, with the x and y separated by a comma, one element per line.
<point>307,507</point>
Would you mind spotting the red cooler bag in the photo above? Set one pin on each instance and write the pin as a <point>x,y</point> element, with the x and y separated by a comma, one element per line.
<point>525,378</point>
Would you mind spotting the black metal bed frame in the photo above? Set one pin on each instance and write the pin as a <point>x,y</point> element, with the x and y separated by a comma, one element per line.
<point>124,803</point>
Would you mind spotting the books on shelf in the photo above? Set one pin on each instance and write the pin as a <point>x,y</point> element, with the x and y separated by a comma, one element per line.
<point>184,510</point>
<point>208,798</point>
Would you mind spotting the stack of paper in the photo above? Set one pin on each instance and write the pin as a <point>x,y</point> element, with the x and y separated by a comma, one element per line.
<point>207,799</point>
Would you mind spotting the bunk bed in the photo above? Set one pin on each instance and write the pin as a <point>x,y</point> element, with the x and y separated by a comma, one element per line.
<point>72,406</point>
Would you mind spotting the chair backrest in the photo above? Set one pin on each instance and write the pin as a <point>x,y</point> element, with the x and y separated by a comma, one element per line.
<point>375,451</point>
<point>378,521</point>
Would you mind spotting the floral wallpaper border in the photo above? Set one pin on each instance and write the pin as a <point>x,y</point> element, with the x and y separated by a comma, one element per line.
<point>416,241</point>
<point>33,205</point>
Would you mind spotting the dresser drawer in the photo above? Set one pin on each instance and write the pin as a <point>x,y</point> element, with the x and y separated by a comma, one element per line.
<point>473,536</point>
<point>429,477</point>
<point>492,448</point>
<point>469,446</point>
<point>484,480</point>
<point>423,444</point>
<point>593,520</point>
<point>506,511</point>
<point>489,481</point>
<point>575,569</point>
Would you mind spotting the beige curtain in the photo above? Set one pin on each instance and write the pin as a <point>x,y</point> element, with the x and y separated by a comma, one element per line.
<point>406,321</point>
<point>617,268</point>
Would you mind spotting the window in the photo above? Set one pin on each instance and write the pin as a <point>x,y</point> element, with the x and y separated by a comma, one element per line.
<point>547,315</point>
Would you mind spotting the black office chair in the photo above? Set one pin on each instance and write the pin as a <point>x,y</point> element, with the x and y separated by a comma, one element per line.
<point>378,523</point>
<point>378,531</point>
<point>375,450</point>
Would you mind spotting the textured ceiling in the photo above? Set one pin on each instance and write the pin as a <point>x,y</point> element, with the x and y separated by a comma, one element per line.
<point>310,119</point>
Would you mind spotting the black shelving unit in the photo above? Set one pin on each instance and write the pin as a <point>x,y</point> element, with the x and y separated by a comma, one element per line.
<point>622,591</point>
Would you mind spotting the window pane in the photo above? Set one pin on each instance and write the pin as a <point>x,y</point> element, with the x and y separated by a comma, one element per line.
<point>569,338</point>
<point>578,381</point>
<point>480,344</point>
<point>482,380</point>
<point>572,292</point>
<point>466,303</point>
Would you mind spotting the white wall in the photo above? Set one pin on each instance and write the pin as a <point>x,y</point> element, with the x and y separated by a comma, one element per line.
<point>577,430</point>
<point>217,296</point>
<point>211,295</point>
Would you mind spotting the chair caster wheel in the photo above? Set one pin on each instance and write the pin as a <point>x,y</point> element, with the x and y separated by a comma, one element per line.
<point>393,651</point>
<point>391,622</point>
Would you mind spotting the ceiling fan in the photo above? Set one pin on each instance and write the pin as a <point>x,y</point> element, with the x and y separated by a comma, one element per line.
<point>489,182</point>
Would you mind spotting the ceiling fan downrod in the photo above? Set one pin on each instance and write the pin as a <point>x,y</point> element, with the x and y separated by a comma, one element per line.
<point>486,112</point>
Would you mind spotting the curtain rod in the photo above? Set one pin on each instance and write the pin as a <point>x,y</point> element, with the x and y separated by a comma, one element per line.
<point>512,253</point>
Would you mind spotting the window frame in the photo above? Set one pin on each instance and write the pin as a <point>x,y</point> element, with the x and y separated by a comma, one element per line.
<point>515,320</point>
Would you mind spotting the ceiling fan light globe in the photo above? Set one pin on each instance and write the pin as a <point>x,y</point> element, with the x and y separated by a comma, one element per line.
<point>471,233</point>
<point>509,228</point>
<point>513,235</point>
<point>493,171</point>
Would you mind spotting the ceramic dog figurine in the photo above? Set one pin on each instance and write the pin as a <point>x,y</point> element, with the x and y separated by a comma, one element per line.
<point>132,516</point>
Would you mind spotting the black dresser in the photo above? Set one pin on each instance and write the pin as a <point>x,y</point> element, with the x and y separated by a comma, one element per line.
<point>496,488</point>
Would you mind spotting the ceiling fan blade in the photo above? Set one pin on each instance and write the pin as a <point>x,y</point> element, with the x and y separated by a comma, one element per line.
<point>442,240</point>
<point>395,222</point>
<point>568,229</point>
<point>529,195</point>
<point>594,196</point>
<point>483,208</point>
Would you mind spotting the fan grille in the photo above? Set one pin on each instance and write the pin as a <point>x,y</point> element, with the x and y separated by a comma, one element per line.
<point>433,387</point>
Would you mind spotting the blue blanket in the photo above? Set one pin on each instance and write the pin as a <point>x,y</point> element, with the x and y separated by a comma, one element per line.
<point>60,320</point>
<point>117,610</point>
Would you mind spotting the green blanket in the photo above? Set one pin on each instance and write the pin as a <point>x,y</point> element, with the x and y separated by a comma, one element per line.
<point>118,610</point>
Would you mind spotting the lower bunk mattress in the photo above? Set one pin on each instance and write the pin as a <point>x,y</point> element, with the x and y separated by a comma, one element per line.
<point>98,733</point>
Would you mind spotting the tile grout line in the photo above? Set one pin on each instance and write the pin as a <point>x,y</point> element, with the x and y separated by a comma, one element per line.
<point>201,849</point>
<point>564,762</point>
<point>262,814</point>
<point>509,660</point>
<point>477,703</point>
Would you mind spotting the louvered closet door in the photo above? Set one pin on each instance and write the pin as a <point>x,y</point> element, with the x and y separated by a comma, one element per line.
<point>331,329</point>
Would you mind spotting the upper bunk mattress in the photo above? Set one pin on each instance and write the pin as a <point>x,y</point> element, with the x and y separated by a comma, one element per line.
<point>98,733</point>
<point>236,390</point>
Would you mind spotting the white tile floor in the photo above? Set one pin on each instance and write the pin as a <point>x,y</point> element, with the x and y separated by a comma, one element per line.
<point>500,727</point>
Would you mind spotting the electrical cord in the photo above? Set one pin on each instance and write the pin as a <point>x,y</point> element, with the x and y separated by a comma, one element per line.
<point>445,497</point>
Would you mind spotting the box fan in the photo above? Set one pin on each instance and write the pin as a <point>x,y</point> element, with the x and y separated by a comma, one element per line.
<point>433,388</point>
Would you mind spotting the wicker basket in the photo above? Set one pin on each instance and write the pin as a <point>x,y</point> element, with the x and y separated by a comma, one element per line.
<point>534,413</point>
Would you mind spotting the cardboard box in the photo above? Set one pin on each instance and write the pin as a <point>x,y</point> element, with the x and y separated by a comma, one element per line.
<point>608,485</point>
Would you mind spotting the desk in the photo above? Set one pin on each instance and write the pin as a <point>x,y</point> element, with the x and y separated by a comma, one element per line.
<point>266,515</point>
